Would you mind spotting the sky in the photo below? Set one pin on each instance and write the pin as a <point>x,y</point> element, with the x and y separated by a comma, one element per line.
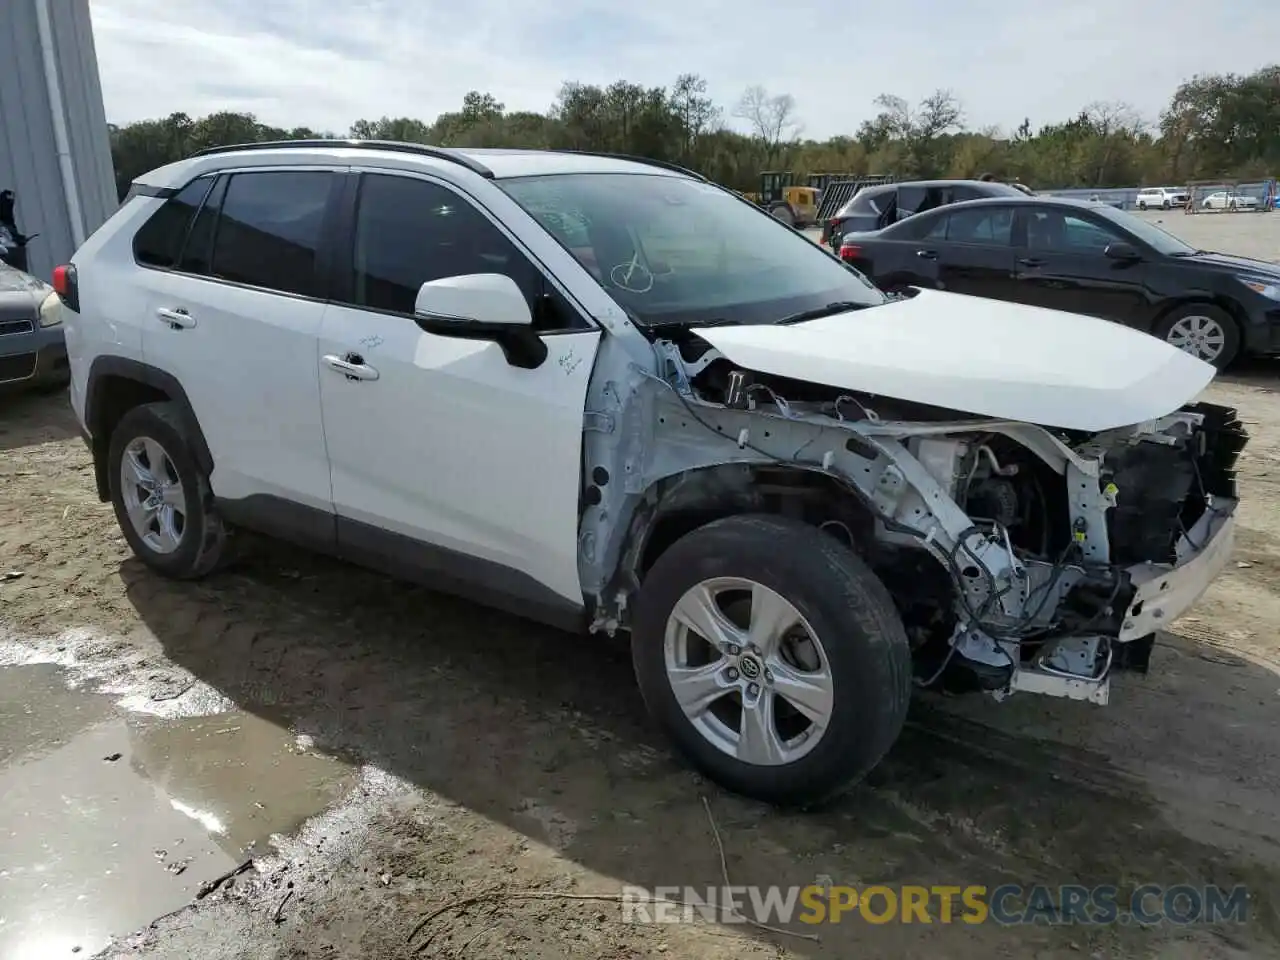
<point>326,63</point>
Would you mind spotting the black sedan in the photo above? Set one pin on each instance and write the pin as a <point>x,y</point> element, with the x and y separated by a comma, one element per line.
<point>1085,258</point>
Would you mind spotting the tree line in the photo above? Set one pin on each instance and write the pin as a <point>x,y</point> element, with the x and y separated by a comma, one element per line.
<point>1214,126</point>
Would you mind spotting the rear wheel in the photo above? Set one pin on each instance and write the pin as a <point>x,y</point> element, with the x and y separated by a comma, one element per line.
<point>773,657</point>
<point>1204,331</point>
<point>1142,204</point>
<point>161,497</point>
<point>783,212</point>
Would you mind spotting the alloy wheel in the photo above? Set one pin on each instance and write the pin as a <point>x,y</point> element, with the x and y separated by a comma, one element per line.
<point>152,493</point>
<point>748,671</point>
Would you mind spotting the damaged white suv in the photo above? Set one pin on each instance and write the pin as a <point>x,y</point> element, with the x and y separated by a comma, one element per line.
<point>609,395</point>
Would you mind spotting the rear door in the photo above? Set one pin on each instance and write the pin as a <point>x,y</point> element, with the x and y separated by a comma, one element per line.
<point>235,316</point>
<point>1062,264</point>
<point>971,251</point>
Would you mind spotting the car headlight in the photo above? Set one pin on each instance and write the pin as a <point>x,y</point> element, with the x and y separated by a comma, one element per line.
<point>51,311</point>
<point>1268,288</point>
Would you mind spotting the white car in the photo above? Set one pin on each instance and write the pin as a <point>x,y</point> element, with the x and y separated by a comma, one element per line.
<point>1226,200</point>
<point>1163,198</point>
<point>611,396</point>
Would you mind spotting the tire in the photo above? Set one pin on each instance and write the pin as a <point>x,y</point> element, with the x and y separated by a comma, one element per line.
<point>1166,205</point>
<point>860,637</point>
<point>1142,205</point>
<point>196,546</point>
<point>1183,321</point>
<point>783,214</point>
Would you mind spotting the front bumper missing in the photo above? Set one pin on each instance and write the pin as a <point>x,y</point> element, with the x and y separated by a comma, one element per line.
<point>1080,667</point>
<point>1166,591</point>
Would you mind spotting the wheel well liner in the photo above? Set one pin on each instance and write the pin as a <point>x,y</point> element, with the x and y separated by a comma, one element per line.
<point>684,502</point>
<point>118,384</point>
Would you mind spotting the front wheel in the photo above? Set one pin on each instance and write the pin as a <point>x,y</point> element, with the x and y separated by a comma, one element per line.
<point>773,657</point>
<point>1142,205</point>
<point>1204,331</point>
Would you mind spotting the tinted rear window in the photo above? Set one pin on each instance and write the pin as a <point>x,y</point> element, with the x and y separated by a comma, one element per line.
<point>270,229</point>
<point>159,242</point>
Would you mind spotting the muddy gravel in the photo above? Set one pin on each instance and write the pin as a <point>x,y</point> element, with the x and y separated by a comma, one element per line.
<point>365,752</point>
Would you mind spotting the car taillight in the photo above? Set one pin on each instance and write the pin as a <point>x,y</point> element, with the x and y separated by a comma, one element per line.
<point>850,251</point>
<point>66,286</point>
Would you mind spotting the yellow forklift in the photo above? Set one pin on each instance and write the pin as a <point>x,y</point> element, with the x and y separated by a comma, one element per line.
<point>794,204</point>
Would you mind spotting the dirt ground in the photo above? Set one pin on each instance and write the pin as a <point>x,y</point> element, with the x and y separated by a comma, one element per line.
<point>378,751</point>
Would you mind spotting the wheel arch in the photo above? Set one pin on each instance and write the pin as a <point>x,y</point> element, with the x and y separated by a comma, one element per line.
<point>115,386</point>
<point>680,503</point>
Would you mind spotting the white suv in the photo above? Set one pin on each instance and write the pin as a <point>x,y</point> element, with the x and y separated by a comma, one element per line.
<point>1161,197</point>
<point>609,395</point>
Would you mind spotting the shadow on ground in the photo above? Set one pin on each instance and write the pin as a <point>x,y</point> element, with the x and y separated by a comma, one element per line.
<point>1178,781</point>
<point>504,718</point>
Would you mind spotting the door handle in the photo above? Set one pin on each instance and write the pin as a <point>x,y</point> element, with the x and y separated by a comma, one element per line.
<point>351,366</point>
<point>176,317</point>
<point>1031,262</point>
<point>927,254</point>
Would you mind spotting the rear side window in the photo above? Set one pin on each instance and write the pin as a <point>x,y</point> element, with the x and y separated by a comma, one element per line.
<point>198,249</point>
<point>989,226</point>
<point>269,229</point>
<point>159,242</point>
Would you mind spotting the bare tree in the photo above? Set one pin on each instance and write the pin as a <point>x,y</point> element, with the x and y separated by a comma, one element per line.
<point>918,128</point>
<point>1110,117</point>
<point>1112,121</point>
<point>937,113</point>
<point>696,112</point>
<point>772,117</point>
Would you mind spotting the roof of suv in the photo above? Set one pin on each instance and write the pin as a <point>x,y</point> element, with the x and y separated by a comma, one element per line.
<point>487,162</point>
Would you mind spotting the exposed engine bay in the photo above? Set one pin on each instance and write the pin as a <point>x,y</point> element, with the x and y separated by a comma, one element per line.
<point>1021,558</point>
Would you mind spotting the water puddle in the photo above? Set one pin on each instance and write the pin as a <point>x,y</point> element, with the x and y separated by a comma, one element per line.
<point>110,819</point>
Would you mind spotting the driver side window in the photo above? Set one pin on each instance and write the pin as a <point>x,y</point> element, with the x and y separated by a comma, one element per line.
<point>1051,231</point>
<point>410,231</point>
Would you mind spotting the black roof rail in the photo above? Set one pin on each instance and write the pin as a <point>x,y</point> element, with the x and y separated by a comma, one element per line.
<point>421,149</point>
<point>646,160</point>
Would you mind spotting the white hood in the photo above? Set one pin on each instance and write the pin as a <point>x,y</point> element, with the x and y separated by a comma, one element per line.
<point>986,357</point>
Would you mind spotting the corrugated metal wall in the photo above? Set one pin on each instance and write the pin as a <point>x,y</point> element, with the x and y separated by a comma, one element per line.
<point>28,147</point>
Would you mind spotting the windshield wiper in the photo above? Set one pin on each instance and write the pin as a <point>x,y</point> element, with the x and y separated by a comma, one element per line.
<point>817,313</point>
<point>695,324</point>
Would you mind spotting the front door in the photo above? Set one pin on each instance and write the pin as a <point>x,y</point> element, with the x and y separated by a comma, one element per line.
<point>1063,265</point>
<point>471,464</point>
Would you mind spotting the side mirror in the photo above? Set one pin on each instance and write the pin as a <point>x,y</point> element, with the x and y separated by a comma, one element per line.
<point>1122,251</point>
<point>482,306</point>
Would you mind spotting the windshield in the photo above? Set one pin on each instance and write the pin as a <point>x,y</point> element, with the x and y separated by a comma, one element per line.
<point>1161,240</point>
<point>675,250</point>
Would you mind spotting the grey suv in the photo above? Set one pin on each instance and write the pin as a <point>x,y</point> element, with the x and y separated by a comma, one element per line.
<point>872,208</point>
